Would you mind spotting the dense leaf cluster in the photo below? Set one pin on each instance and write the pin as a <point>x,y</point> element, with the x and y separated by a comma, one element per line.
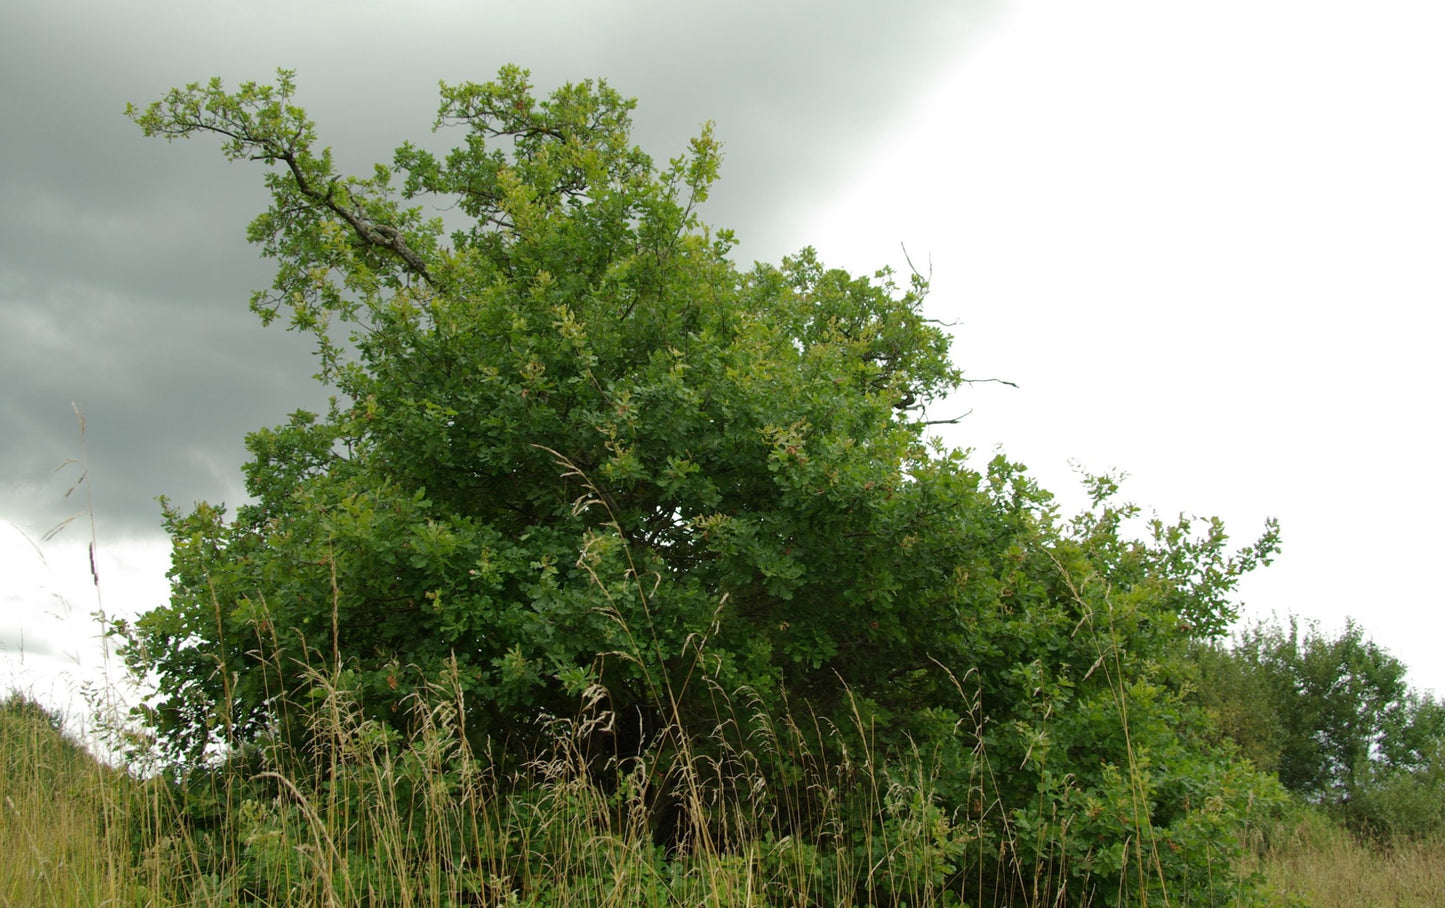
<point>580,456</point>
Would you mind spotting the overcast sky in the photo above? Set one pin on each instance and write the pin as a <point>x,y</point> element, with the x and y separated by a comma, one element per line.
<point>1204,240</point>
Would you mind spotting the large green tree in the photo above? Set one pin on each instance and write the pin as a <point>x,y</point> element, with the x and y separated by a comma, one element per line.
<point>578,453</point>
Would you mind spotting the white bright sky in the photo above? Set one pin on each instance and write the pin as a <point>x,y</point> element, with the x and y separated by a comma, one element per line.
<point>1204,239</point>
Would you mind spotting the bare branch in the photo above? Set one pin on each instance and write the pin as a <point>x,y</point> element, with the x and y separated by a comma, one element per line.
<point>946,422</point>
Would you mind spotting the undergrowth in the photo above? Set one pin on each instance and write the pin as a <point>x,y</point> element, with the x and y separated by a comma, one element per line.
<point>429,821</point>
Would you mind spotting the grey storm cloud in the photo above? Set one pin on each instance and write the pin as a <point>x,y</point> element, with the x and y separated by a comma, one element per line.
<point>124,272</point>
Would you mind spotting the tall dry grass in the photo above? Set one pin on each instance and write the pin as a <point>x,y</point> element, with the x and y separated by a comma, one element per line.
<point>365,817</point>
<point>429,822</point>
<point>1313,861</point>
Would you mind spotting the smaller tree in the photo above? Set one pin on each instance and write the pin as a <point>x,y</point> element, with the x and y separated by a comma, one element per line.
<point>1332,715</point>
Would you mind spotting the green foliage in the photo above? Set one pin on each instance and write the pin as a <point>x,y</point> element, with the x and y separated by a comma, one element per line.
<point>1334,717</point>
<point>1393,803</point>
<point>582,465</point>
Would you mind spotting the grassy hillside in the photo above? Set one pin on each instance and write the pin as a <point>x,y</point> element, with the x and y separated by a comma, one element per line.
<point>62,830</point>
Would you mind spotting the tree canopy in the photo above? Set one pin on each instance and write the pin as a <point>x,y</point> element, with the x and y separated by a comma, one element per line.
<point>578,455</point>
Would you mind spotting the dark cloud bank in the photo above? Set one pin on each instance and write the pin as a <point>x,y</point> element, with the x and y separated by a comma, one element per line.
<point>124,273</point>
